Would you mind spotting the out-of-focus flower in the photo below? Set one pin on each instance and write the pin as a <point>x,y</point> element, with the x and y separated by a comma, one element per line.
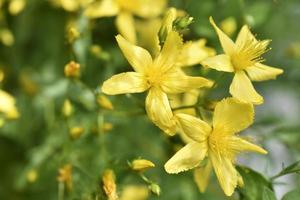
<point>65,176</point>
<point>32,176</point>
<point>160,76</point>
<point>229,26</point>
<point>71,5</point>
<point>218,142</point>
<point>28,84</point>
<point>141,164</point>
<point>16,6</point>
<point>67,108</point>
<point>76,132</point>
<point>243,58</point>
<point>107,127</point>
<point>8,105</point>
<point>109,184</point>
<point>6,37</point>
<point>188,98</point>
<point>72,33</point>
<point>134,192</point>
<point>104,102</point>
<point>124,10</point>
<point>72,69</point>
<point>294,50</point>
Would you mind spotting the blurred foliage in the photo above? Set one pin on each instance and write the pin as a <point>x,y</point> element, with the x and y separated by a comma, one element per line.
<point>34,49</point>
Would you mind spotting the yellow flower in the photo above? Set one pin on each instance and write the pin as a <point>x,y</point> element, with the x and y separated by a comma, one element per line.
<point>104,102</point>
<point>124,10</point>
<point>218,142</point>
<point>16,6</point>
<point>193,52</point>
<point>229,25</point>
<point>8,105</point>
<point>72,69</point>
<point>160,76</point>
<point>243,58</point>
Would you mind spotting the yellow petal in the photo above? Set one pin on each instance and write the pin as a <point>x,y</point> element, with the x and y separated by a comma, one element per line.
<point>239,144</point>
<point>103,8</point>
<point>159,111</point>
<point>233,115</point>
<point>129,82</point>
<point>193,127</point>
<point>242,88</point>
<point>170,52</point>
<point>225,172</point>
<point>194,52</point>
<point>125,25</point>
<point>202,175</point>
<point>244,35</point>
<point>220,62</point>
<point>7,105</point>
<point>261,72</point>
<point>175,81</point>
<point>139,58</point>
<point>187,158</point>
<point>227,44</point>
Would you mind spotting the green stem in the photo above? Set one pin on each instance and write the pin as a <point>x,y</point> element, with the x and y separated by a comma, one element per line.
<point>61,189</point>
<point>285,173</point>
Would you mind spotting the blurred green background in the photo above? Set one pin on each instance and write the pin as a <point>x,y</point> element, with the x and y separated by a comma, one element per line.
<point>33,63</point>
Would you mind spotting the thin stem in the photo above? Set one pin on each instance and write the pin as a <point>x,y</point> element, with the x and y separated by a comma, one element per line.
<point>61,189</point>
<point>284,173</point>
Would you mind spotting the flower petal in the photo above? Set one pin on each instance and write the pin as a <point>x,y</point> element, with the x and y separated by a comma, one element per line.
<point>125,25</point>
<point>194,52</point>
<point>104,8</point>
<point>232,115</point>
<point>225,172</point>
<point>139,58</point>
<point>220,62</point>
<point>175,81</point>
<point>193,127</point>
<point>129,82</point>
<point>242,88</point>
<point>239,144</point>
<point>170,52</point>
<point>187,158</point>
<point>244,35</point>
<point>159,111</point>
<point>202,175</point>
<point>227,44</point>
<point>261,72</point>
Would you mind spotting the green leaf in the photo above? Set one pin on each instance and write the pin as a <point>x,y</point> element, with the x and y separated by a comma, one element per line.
<point>293,168</point>
<point>254,184</point>
<point>292,195</point>
<point>268,194</point>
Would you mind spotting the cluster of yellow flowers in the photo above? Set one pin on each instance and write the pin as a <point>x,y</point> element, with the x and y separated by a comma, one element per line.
<point>211,144</point>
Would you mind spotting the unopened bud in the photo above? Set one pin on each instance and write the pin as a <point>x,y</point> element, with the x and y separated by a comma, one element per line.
<point>155,189</point>
<point>142,164</point>
<point>167,25</point>
<point>72,69</point>
<point>182,23</point>
<point>67,108</point>
<point>104,102</point>
<point>109,184</point>
<point>65,176</point>
<point>229,26</point>
<point>32,176</point>
<point>72,34</point>
<point>76,132</point>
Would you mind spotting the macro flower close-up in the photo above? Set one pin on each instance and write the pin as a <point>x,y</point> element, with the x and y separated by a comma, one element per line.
<point>149,100</point>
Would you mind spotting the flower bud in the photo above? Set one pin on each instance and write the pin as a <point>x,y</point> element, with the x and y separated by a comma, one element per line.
<point>109,184</point>
<point>72,69</point>
<point>229,26</point>
<point>72,34</point>
<point>65,176</point>
<point>142,164</point>
<point>32,176</point>
<point>67,108</point>
<point>155,189</point>
<point>104,102</point>
<point>76,132</point>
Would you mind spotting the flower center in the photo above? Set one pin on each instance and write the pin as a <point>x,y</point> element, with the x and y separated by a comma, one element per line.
<point>154,77</point>
<point>248,53</point>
